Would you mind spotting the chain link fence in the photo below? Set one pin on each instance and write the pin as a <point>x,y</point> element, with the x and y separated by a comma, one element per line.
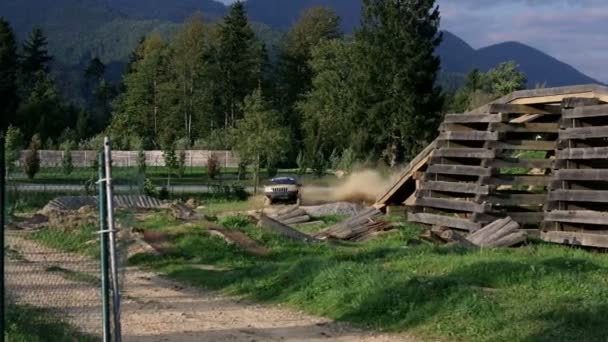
<point>54,284</point>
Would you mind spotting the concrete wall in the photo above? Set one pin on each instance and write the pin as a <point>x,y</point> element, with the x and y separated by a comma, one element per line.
<point>129,158</point>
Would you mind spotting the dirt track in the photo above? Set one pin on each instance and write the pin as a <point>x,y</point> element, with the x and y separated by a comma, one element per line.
<point>156,309</point>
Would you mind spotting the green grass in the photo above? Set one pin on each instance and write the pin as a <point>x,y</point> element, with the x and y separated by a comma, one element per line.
<point>27,324</point>
<point>535,293</point>
<point>82,239</point>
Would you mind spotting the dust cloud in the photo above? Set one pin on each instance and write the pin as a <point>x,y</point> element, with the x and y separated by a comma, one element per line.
<point>358,187</point>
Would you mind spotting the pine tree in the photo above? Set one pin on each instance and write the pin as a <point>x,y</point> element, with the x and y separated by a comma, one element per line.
<point>139,110</point>
<point>294,71</point>
<point>35,57</point>
<point>400,38</point>
<point>8,75</point>
<point>239,63</point>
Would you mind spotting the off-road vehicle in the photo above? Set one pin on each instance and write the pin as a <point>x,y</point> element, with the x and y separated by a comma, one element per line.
<point>283,189</point>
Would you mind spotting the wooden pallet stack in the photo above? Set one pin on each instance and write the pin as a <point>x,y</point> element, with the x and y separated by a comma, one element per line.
<point>577,204</point>
<point>450,190</point>
<point>489,166</point>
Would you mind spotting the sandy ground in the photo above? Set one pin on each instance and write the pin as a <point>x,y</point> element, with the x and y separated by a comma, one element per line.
<point>156,309</point>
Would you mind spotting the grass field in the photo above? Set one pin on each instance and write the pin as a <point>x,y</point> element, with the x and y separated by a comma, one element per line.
<point>536,293</point>
<point>27,324</point>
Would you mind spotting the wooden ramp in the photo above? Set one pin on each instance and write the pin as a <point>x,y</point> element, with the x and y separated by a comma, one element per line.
<point>405,186</point>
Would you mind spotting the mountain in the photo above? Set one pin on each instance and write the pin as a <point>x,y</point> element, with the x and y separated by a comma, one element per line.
<point>459,57</point>
<point>81,29</point>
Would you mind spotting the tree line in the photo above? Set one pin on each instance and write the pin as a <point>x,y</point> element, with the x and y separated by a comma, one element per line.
<point>319,98</point>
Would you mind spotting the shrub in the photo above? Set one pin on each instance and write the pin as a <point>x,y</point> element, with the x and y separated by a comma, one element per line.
<point>141,162</point>
<point>66,162</point>
<point>213,166</point>
<point>301,162</point>
<point>242,170</point>
<point>150,188</point>
<point>31,163</point>
<point>171,161</point>
<point>181,163</point>
<point>13,147</point>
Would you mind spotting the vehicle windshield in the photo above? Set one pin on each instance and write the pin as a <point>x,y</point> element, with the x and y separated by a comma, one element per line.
<point>284,180</point>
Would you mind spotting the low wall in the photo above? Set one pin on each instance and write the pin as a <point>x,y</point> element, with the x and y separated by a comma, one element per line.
<point>194,158</point>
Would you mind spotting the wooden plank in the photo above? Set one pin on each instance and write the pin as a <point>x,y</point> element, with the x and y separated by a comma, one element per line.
<point>582,174</point>
<point>481,153</point>
<point>551,127</point>
<point>538,145</point>
<point>523,109</point>
<point>516,199</point>
<point>578,216</point>
<point>585,112</point>
<point>584,133</point>
<point>519,180</point>
<point>452,204</point>
<point>442,220</point>
<point>523,163</point>
<point>470,135</point>
<point>526,118</point>
<point>275,226</point>
<point>576,238</point>
<point>474,118</point>
<point>445,127</point>
<point>457,187</point>
<point>460,170</point>
<point>399,192</point>
<point>583,153</point>
<point>600,196</point>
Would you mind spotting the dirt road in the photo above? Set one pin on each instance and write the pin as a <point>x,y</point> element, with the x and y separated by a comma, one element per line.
<point>156,309</point>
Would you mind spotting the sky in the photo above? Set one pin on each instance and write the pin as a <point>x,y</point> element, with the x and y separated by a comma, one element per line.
<point>573,31</point>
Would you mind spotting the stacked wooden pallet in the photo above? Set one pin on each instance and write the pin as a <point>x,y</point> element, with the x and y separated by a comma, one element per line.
<point>577,205</point>
<point>489,166</point>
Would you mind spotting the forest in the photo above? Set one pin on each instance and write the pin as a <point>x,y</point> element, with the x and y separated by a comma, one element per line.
<point>319,99</point>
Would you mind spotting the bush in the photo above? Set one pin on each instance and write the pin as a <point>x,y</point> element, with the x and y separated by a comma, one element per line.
<point>141,162</point>
<point>181,163</point>
<point>66,161</point>
<point>171,161</point>
<point>150,188</point>
<point>31,163</point>
<point>14,145</point>
<point>213,166</point>
<point>242,170</point>
<point>301,162</point>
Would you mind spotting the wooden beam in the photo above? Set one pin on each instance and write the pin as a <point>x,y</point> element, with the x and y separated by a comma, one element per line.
<point>469,135</point>
<point>584,133</point>
<point>578,216</point>
<point>576,238</point>
<point>445,221</point>
<point>583,153</point>
<point>474,118</point>
<point>457,187</point>
<point>452,204</point>
<point>533,145</point>
<point>582,174</point>
<point>481,153</point>
<point>585,112</point>
<point>523,218</point>
<point>600,196</point>
<point>526,118</point>
<point>523,109</point>
<point>460,170</point>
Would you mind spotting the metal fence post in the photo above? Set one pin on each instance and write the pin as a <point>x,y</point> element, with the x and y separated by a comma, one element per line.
<point>2,223</point>
<point>112,240</point>
<point>103,237</point>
